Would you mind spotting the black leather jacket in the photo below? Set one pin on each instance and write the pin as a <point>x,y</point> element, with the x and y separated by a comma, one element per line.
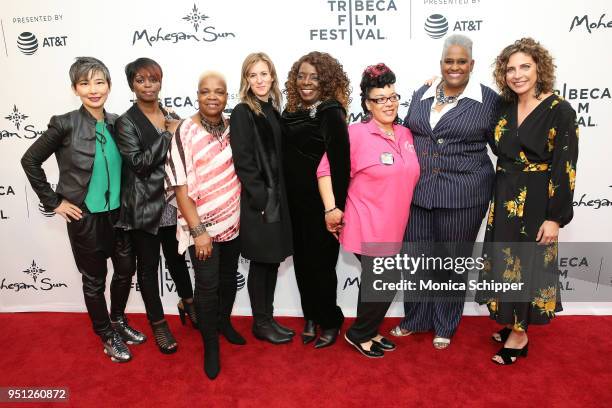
<point>72,138</point>
<point>144,152</point>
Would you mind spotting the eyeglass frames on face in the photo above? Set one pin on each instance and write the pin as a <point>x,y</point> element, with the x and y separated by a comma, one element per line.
<point>383,99</point>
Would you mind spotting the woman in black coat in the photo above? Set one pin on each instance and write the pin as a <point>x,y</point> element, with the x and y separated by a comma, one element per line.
<point>265,226</point>
<point>143,140</point>
<point>315,123</point>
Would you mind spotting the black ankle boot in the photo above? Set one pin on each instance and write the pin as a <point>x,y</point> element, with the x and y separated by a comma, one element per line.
<point>231,335</point>
<point>281,329</point>
<point>265,331</point>
<point>212,361</point>
<point>327,338</point>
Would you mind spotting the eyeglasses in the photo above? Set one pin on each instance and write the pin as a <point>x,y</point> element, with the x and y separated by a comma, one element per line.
<point>383,99</point>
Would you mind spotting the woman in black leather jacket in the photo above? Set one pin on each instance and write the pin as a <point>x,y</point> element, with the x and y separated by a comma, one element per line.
<point>143,140</point>
<point>87,197</point>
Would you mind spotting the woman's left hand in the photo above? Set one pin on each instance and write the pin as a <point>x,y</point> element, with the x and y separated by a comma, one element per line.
<point>548,232</point>
<point>171,125</point>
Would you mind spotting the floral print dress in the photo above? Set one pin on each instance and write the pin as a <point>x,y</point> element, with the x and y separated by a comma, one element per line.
<point>535,179</point>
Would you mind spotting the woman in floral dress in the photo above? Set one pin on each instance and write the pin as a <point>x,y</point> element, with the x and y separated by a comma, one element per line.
<point>536,141</point>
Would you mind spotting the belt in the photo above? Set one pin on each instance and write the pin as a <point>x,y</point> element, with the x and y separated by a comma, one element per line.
<point>512,167</point>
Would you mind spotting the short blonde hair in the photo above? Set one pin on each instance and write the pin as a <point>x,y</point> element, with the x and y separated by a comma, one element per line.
<point>211,74</point>
<point>246,94</point>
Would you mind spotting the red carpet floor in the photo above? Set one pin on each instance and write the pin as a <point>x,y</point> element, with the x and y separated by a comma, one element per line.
<point>569,364</point>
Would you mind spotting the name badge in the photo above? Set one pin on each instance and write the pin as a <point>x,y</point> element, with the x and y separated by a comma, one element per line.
<point>386,158</point>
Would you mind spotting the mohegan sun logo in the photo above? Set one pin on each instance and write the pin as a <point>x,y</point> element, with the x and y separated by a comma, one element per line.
<point>195,17</point>
<point>34,270</point>
<point>23,132</point>
<point>16,117</point>
<point>204,32</point>
<point>43,284</point>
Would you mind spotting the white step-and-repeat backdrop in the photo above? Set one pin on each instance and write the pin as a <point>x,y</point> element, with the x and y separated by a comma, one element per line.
<point>41,39</point>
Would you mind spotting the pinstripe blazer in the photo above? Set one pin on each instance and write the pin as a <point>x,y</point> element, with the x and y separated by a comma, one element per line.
<point>456,171</point>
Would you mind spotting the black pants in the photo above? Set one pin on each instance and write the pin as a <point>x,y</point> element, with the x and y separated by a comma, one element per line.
<point>216,282</point>
<point>175,262</point>
<point>370,314</point>
<point>93,239</point>
<point>146,249</point>
<point>261,285</point>
<point>314,259</point>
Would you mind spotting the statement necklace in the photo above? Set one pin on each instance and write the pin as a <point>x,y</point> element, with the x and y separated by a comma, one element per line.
<point>442,98</point>
<point>215,129</point>
<point>312,109</point>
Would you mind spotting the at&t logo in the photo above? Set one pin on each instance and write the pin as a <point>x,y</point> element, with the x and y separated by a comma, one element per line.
<point>28,43</point>
<point>437,26</point>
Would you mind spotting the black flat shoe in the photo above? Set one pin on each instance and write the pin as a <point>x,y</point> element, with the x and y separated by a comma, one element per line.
<point>265,331</point>
<point>384,344</point>
<point>282,329</point>
<point>373,352</point>
<point>510,355</point>
<point>310,331</point>
<point>503,335</point>
<point>328,337</point>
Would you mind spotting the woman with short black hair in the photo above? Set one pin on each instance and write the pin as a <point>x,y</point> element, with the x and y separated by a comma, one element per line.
<point>143,140</point>
<point>384,171</point>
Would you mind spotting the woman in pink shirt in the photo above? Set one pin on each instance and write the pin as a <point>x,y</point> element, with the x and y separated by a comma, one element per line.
<point>384,172</point>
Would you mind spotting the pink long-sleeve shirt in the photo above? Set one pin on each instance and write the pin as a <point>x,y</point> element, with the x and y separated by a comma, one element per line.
<point>383,176</point>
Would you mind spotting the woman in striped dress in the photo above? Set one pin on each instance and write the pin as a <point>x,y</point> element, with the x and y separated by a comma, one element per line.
<point>201,170</point>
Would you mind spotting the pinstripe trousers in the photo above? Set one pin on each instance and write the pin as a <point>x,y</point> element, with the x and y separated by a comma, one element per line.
<point>440,225</point>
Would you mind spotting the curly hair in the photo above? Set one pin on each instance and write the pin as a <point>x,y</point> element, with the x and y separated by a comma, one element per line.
<point>544,65</point>
<point>333,81</point>
<point>374,76</point>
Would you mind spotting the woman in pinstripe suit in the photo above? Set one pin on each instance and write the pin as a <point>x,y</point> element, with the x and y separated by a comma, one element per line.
<point>449,120</point>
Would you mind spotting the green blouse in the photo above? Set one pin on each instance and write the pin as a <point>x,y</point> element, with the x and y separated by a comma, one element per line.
<point>103,193</point>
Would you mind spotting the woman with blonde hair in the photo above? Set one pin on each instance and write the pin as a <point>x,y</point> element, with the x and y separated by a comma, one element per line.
<point>265,228</point>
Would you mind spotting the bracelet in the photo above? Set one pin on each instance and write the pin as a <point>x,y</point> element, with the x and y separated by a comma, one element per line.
<point>197,230</point>
<point>330,210</point>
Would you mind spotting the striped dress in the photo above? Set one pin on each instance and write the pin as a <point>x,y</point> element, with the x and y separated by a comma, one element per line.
<point>204,164</point>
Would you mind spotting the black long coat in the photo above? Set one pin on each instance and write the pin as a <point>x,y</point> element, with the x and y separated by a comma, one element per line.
<point>265,225</point>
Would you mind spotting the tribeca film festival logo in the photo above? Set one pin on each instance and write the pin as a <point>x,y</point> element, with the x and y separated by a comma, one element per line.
<point>33,271</point>
<point>356,20</point>
<point>17,118</point>
<point>5,192</point>
<point>198,20</point>
<point>590,25</point>
<point>436,26</point>
<point>583,98</point>
<point>28,43</point>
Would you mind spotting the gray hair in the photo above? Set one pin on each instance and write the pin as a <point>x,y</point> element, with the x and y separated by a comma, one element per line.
<point>84,67</point>
<point>457,39</point>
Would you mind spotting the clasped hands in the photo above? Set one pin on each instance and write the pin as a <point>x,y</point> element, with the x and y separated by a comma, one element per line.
<point>334,221</point>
